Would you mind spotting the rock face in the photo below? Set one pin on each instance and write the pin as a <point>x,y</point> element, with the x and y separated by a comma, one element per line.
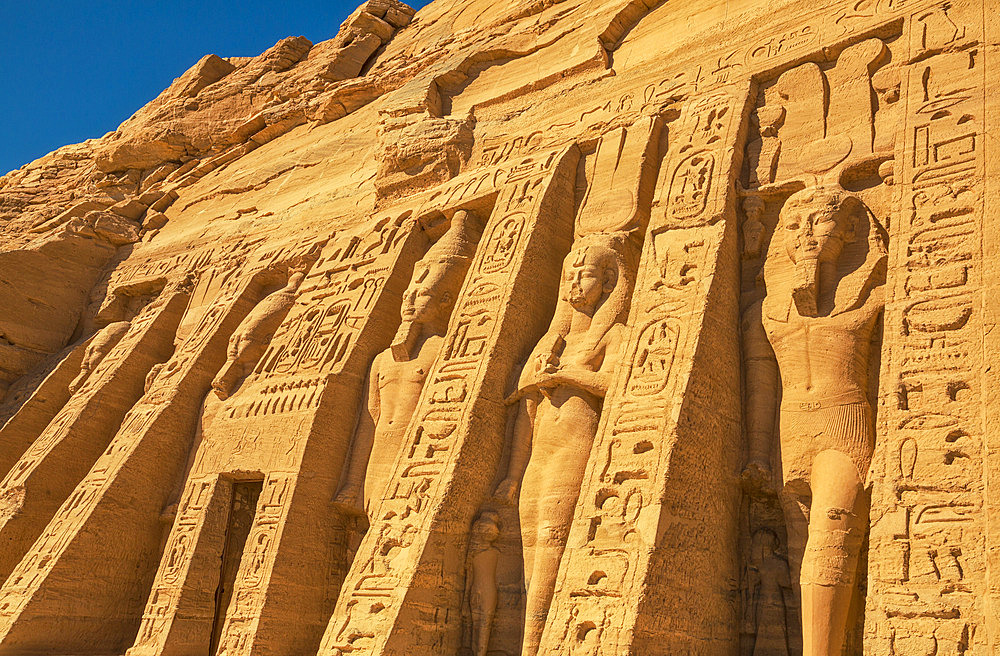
<point>542,327</point>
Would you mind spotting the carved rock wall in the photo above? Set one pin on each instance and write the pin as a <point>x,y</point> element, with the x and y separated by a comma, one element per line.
<point>539,327</point>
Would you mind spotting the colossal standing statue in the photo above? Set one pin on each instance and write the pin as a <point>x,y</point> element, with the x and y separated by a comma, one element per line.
<point>561,392</point>
<point>397,374</point>
<point>808,351</point>
<point>249,342</point>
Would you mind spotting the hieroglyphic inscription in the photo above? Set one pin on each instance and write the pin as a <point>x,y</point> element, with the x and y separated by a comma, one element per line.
<point>509,169</point>
<point>258,558</point>
<point>498,151</point>
<point>388,559</point>
<point>198,493</point>
<point>616,525</point>
<point>928,562</point>
<point>334,301</point>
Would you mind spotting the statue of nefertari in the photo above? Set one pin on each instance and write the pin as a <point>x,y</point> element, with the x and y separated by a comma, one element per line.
<point>561,393</point>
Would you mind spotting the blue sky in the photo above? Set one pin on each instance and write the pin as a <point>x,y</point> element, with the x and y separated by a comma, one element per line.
<point>75,69</point>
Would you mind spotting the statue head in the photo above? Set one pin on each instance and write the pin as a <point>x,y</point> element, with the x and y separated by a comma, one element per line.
<point>763,545</point>
<point>596,281</point>
<point>436,281</point>
<point>431,294</point>
<point>818,222</point>
<point>590,274</point>
<point>816,225</point>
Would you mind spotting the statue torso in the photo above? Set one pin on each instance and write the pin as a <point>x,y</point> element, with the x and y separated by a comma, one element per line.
<point>400,384</point>
<point>824,358</point>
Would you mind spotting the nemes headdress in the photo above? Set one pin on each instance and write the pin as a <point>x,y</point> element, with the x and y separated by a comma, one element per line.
<point>861,266</point>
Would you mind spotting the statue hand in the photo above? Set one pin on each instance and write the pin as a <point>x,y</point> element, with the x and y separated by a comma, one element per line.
<point>550,380</point>
<point>507,491</point>
<point>348,502</point>
<point>521,393</point>
<point>756,479</point>
<point>560,376</point>
<point>544,363</point>
<point>574,376</point>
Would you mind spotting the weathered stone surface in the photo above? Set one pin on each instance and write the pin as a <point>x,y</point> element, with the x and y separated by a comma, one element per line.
<point>537,327</point>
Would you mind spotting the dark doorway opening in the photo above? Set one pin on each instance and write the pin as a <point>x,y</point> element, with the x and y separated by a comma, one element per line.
<point>241,515</point>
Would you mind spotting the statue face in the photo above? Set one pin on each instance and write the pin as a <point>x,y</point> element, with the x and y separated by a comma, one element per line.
<point>428,296</point>
<point>817,224</point>
<point>485,530</point>
<point>586,281</point>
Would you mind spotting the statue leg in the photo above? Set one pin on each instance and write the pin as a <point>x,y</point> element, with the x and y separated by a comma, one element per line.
<point>528,515</point>
<point>483,622</point>
<point>555,514</point>
<point>838,517</point>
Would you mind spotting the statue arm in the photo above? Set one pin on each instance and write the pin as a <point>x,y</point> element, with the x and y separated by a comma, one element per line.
<point>761,371</point>
<point>595,382</point>
<point>876,301</point>
<point>544,359</point>
<point>350,493</point>
<point>520,450</point>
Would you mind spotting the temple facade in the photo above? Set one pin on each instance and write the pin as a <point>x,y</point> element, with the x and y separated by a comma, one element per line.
<point>528,328</point>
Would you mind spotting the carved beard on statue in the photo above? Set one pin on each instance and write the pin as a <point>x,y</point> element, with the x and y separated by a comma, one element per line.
<point>825,257</point>
<point>805,287</point>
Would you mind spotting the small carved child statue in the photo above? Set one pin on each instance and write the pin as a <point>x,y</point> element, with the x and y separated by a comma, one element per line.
<point>480,603</point>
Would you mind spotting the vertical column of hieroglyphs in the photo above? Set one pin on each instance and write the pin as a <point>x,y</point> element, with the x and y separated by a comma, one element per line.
<point>46,475</point>
<point>991,296</point>
<point>403,593</point>
<point>254,427</point>
<point>114,516</point>
<point>928,565</point>
<point>649,557</point>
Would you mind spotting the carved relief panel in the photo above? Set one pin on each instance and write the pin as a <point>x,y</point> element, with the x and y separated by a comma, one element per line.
<point>617,529</point>
<point>928,567</point>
